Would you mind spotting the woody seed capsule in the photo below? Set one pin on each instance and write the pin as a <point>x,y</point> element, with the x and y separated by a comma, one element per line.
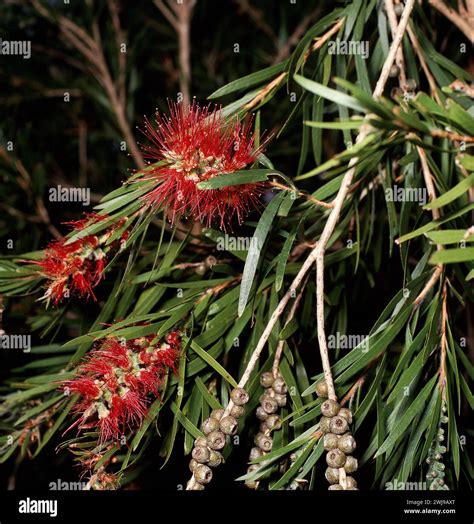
<point>201,454</point>
<point>281,400</point>
<point>196,486</point>
<point>322,389</point>
<point>228,425</point>
<point>239,396</point>
<point>347,443</point>
<point>209,425</point>
<point>216,440</point>
<point>264,442</point>
<point>217,413</point>
<point>330,441</point>
<point>345,413</point>
<point>193,464</point>
<point>336,487</point>
<point>215,459</point>
<point>255,453</point>
<point>266,379</point>
<point>335,458</point>
<point>203,474</point>
<point>261,413</point>
<point>338,425</point>
<point>329,408</point>
<point>269,404</point>
<point>351,464</point>
<point>201,441</point>
<point>351,483</point>
<point>252,484</point>
<point>332,475</point>
<point>237,411</point>
<point>273,422</point>
<point>394,71</point>
<point>279,386</point>
<point>324,424</point>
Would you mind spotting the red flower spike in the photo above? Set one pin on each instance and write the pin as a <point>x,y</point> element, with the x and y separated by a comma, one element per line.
<point>117,380</point>
<point>77,267</point>
<point>197,144</point>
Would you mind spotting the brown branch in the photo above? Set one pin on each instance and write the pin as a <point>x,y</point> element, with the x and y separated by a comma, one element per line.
<point>26,184</point>
<point>179,16</point>
<point>302,194</point>
<point>114,8</point>
<point>91,49</point>
<point>257,17</point>
<point>279,79</point>
<point>454,17</point>
<point>295,37</point>
<point>419,53</point>
<point>441,133</point>
<point>428,178</point>
<point>399,59</point>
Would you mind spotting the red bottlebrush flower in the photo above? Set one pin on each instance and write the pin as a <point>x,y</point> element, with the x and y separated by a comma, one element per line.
<point>77,267</point>
<point>117,380</point>
<point>196,144</point>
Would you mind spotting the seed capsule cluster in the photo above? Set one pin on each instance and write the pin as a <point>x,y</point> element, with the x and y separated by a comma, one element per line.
<point>338,441</point>
<point>206,453</point>
<point>436,473</point>
<point>272,399</point>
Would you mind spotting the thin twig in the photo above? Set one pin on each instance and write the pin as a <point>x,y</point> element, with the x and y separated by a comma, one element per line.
<point>417,48</point>
<point>320,248</point>
<point>302,194</point>
<point>258,18</point>
<point>90,47</point>
<point>26,184</point>
<point>428,178</point>
<point>295,37</point>
<point>179,16</point>
<point>399,59</point>
<point>454,17</point>
<point>441,133</point>
<point>279,79</point>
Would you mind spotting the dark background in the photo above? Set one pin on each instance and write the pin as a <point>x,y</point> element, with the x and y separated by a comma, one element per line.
<point>77,143</point>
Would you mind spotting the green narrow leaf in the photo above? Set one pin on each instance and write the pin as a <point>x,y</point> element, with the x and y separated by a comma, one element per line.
<point>452,256</point>
<point>330,94</point>
<point>402,425</point>
<point>263,227</point>
<point>454,193</point>
<point>206,356</point>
